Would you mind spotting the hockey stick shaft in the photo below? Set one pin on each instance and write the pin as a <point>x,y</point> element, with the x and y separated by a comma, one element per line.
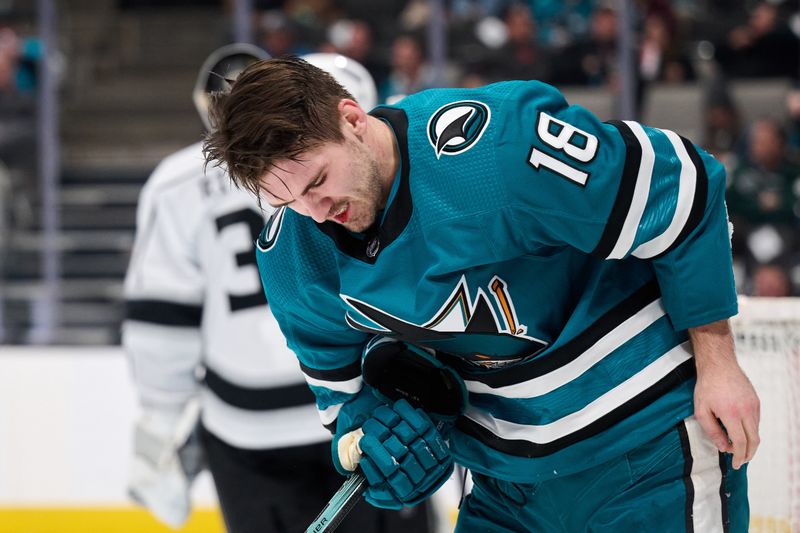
<point>345,499</point>
<point>340,504</point>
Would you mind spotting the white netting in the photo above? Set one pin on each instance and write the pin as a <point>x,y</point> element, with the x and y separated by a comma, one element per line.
<point>767,333</point>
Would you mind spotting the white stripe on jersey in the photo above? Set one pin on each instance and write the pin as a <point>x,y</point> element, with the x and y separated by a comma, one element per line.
<point>706,478</point>
<point>686,189</point>
<point>622,393</point>
<point>351,386</point>
<point>330,414</point>
<point>561,376</point>
<point>641,192</point>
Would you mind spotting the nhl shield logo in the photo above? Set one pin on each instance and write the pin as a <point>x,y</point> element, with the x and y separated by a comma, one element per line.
<point>454,128</point>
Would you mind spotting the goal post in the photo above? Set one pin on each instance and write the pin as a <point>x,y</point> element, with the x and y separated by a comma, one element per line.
<point>767,335</point>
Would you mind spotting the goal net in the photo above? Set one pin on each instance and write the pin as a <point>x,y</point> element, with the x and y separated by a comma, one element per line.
<point>767,333</point>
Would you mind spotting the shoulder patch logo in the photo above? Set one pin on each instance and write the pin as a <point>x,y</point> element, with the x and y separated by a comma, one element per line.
<point>269,236</point>
<point>454,128</point>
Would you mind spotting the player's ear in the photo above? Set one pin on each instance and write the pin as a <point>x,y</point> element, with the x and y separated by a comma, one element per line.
<point>353,116</point>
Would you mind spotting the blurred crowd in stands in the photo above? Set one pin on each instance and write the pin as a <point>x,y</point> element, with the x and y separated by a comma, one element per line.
<point>19,59</point>
<point>574,42</point>
<point>565,43</point>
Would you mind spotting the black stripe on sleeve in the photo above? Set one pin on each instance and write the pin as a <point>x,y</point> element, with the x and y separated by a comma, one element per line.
<point>627,185</point>
<point>688,461</point>
<point>570,351</point>
<point>331,427</point>
<point>164,313</point>
<point>726,519</point>
<point>699,201</point>
<point>525,448</point>
<point>344,373</point>
<point>258,399</point>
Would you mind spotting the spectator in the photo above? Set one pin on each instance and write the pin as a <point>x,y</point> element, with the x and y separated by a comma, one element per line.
<point>311,13</point>
<point>353,38</point>
<point>278,35</point>
<point>8,53</point>
<point>409,72</point>
<point>381,15</point>
<point>561,22</point>
<point>593,60</point>
<point>30,55</point>
<point>765,46</point>
<point>761,187</point>
<point>771,281</point>
<point>722,129</point>
<point>521,57</point>
<point>763,201</point>
<point>660,55</point>
<point>475,10</point>
<point>19,59</point>
<point>793,122</point>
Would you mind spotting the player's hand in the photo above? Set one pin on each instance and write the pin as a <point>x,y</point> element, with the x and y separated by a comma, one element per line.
<point>727,407</point>
<point>405,459</point>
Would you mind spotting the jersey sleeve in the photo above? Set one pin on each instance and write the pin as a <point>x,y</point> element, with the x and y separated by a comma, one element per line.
<point>304,298</point>
<point>164,290</point>
<point>620,191</point>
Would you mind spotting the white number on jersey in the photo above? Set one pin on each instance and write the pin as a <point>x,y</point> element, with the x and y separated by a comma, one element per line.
<point>565,139</point>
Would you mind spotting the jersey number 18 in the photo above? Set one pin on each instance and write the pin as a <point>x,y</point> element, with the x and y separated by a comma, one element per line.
<point>575,144</point>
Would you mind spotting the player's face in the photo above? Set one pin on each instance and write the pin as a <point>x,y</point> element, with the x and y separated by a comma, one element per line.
<point>339,182</point>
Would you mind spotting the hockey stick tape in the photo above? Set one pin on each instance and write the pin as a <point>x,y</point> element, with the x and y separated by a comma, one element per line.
<point>348,449</point>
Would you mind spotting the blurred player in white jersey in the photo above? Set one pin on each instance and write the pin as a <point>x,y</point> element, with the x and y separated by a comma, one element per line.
<point>202,339</point>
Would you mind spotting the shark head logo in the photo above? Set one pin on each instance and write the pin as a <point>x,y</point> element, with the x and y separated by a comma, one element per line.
<point>454,128</point>
<point>466,325</point>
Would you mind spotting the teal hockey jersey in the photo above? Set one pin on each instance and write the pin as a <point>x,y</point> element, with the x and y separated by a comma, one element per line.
<point>555,261</point>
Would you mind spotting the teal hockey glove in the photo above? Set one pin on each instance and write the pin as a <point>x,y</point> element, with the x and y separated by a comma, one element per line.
<point>397,370</point>
<point>348,429</point>
<point>409,458</point>
<point>405,459</point>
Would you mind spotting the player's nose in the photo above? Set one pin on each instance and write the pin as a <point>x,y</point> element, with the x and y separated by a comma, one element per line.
<point>318,208</point>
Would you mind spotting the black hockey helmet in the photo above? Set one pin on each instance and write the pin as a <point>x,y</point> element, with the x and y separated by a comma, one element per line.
<point>222,66</point>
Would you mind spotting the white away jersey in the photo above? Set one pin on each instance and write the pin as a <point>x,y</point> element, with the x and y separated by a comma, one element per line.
<point>195,307</point>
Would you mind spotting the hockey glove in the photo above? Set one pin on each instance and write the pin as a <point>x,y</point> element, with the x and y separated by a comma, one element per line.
<point>352,415</point>
<point>405,459</point>
<point>167,456</point>
<point>397,370</point>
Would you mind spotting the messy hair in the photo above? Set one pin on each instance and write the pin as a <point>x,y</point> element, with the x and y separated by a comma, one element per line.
<point>275,110</point>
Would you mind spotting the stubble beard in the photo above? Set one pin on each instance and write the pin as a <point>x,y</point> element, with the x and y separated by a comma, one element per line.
<point>369,196</point>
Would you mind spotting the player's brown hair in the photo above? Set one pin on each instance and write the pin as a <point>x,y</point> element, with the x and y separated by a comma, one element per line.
<point>275,110</point>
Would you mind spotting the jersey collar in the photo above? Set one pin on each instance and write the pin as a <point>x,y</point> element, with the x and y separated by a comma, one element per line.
<point>368,245</point>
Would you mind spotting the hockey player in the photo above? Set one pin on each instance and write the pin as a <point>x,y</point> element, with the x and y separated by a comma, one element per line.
<point>576,275</point>
<point>195,307</point>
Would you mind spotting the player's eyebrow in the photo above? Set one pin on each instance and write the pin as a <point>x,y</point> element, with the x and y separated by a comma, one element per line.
<point>318,179</point>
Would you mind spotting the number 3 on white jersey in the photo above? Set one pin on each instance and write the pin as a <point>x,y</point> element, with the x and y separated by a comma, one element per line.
<point>565,139</point>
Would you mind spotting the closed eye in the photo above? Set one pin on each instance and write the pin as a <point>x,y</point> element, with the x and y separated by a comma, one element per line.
<point>316,183</point>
